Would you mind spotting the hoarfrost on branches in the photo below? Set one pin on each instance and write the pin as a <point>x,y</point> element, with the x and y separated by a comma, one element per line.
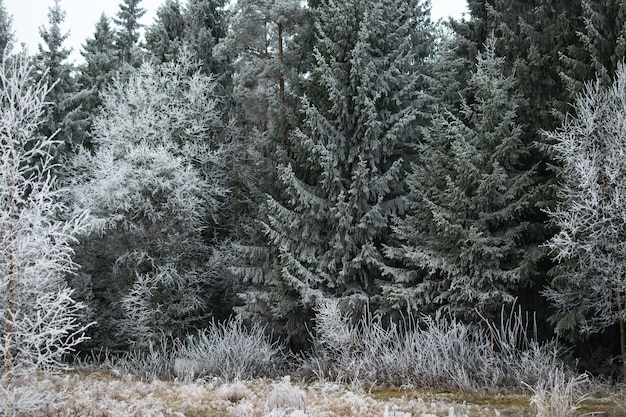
<point>40,322</point>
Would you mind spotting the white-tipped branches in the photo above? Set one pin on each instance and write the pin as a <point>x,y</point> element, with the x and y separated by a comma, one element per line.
<point>589,291</point>
<point>39,320</point>
<point>158,181</point>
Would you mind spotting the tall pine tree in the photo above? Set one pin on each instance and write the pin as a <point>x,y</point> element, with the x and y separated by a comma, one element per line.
<point>53,67</point>
<point>205,26</point>
<point>164,38</point>
<point>471,205</point>
<point>127,20</point>
<point>344,178</point>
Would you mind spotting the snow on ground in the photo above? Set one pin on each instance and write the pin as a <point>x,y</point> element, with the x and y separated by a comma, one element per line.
<point>102,395</point>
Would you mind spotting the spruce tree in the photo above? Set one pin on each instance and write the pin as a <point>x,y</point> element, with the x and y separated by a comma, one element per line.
<point>164,38</point>
<point>6,30</point>
<point>344,177</point>
<point>602,45</point>
<point>101,65</point>
<point>127,20</point>
<point>205,26</point>
<point>471,204</point>
<point>53,67</point>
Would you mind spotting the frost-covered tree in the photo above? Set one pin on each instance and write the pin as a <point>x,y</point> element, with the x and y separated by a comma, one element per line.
<point>342,184</point>
<point>156,185</point>
<point>205,26</point>
<point>469,229</point>
<point>164,38</point>
<point>101,64</point>
<point>589,291</point>
<point>53,65</point>
<point>39,320</point>
<point>127,42</point>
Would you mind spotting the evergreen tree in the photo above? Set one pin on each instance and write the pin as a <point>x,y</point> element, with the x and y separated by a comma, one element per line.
<point>602,44</point>
<point>343,182</point>
<point>205,26</point>
<point>127,41</point>
<point>256,45</point>
<point>101,64</point>
<point>471,204</point>
<point>164,37</point>
<point>54,68</point>
<point>6,30</point>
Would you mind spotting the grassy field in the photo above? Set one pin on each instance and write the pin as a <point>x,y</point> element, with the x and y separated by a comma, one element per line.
<point>98,394</point>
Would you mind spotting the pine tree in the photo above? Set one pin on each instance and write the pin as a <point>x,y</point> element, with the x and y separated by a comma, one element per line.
<point>6,30</point>
<point>164,38</point>
<point>156,185</point>
<point>101,65</point>
<point>343,182</point>
<point>471,203</point>
<point>589,290</point>
<point>128,24</point>
<point>54,68</point>
<point>602,44</point>
<point>205,26</point>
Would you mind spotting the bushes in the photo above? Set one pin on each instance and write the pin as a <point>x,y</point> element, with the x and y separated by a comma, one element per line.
<point>432,352</point>
<point>427,352</point>
<point>229,351</point>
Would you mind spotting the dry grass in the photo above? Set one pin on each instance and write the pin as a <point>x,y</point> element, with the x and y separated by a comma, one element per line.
<point>104,395</point>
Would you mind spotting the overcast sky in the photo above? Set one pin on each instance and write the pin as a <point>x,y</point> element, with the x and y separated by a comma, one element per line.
<point>81,17</point>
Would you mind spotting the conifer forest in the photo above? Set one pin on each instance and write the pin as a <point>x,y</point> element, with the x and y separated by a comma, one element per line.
<point>338,190</point>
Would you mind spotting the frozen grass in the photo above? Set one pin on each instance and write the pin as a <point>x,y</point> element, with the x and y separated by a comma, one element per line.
<point>560,394</point>
<point>428,352</point>
<point>97,394</point>
<point>228,351</point>
<point>103,395</point>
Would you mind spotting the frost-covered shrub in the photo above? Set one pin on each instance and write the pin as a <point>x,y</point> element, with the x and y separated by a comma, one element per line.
<point>435,352</point>
<point>559,394</point>
<point>286,397</point>
<point>231,351</point>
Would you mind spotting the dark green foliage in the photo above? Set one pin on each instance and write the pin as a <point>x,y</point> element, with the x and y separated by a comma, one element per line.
<point>6,31</point>
<point>101,65</point>
<point>61,114</point>
<point>164,37</point>
<point>602,44</point>
<point>343,182</point>
<point>127,42</point>
<point>469,229</point>
<point>205,26</point>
